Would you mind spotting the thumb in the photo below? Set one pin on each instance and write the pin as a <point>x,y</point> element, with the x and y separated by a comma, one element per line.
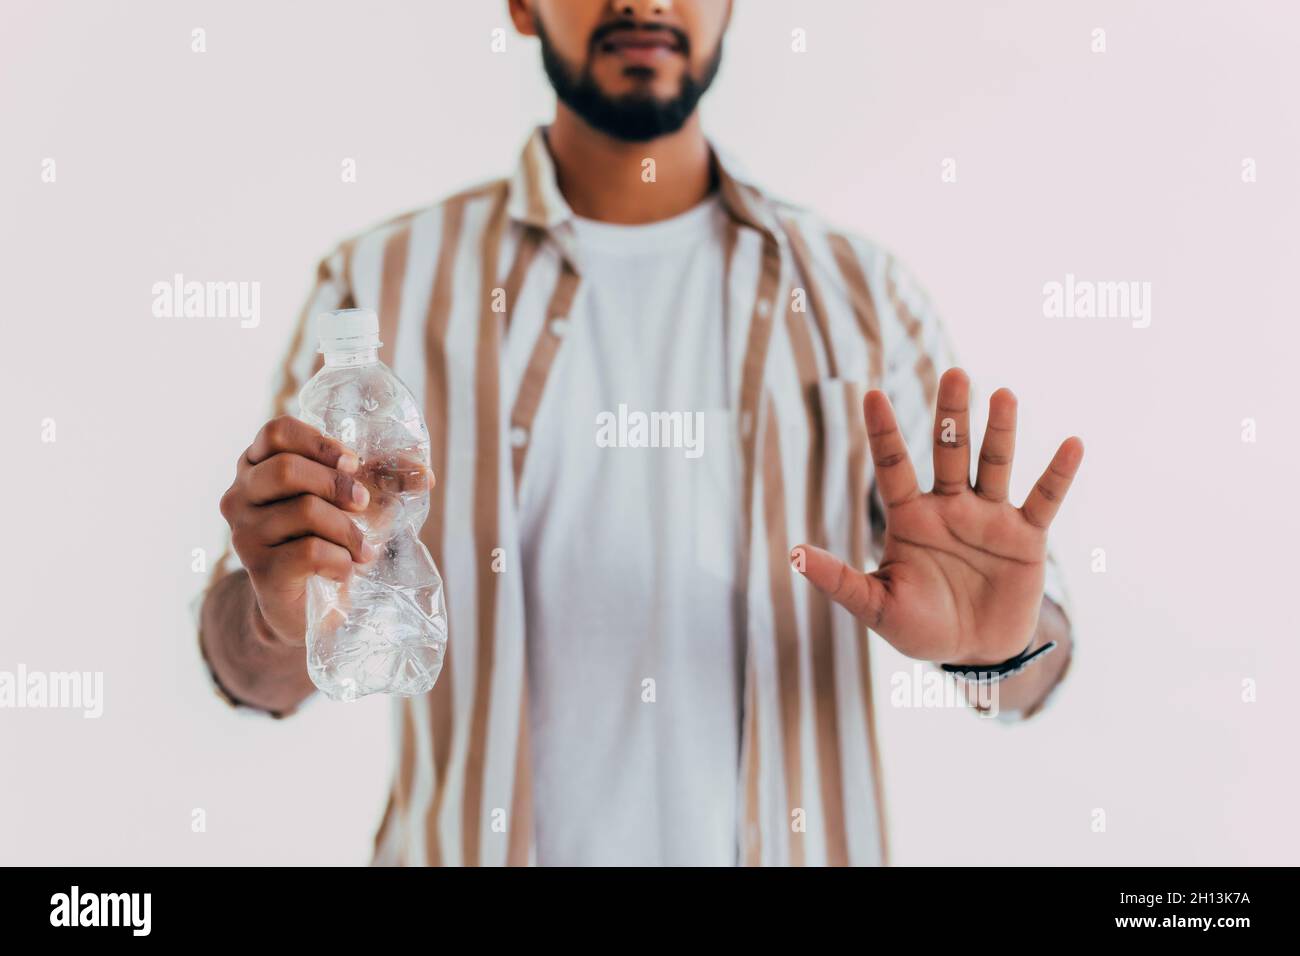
<point>862,595</point>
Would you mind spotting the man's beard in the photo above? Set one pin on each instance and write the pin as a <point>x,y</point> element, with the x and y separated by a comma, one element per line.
<point>632,117</point>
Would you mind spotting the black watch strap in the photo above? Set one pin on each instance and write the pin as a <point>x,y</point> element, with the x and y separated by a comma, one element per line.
<point>992,673</point>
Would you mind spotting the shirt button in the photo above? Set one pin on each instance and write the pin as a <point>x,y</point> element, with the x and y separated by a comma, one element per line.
<point>518,436</point>
<point>764,307</point>
<point>559,326</point>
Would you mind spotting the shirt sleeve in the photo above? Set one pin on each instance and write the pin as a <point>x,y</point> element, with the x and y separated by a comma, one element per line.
<point>299,363</point>
<point>917,352</point>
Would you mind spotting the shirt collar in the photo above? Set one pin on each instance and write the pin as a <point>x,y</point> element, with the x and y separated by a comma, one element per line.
<point>535,198</point>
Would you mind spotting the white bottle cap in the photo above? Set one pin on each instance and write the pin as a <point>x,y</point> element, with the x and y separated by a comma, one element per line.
<point>348,330</point>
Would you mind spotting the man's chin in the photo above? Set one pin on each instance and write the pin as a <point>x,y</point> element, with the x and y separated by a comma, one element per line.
<point>636,117</point>
<point>634,128</point>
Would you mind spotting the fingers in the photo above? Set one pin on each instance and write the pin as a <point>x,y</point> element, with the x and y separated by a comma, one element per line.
<point>287,475</point>
<point>288,434</point>
<point>1045,500</point>
<point>286,507</point>
<point>895,476</point>
<point>304,516</point>
<point>398,474</point>
<point>862,595</point>
<point>295,561</point>
<point>993,474</point>
<point>952,434</point>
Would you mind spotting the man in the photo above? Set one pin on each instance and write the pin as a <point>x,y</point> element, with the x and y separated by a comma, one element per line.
<point>635,675</point>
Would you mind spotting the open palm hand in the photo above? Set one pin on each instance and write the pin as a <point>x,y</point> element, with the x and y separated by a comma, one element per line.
<point>961,574</point>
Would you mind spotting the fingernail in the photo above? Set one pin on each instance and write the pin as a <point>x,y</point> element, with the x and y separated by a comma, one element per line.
<point>348,463</point>
<point>360,495</point>
<point>367,551</point>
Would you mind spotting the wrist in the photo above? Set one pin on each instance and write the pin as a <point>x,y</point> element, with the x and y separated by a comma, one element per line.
<point>985,656</point>
<point>263,636</point>
<point>992,673</point>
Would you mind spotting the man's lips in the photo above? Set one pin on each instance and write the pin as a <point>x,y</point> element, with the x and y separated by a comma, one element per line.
<point>638,46</point>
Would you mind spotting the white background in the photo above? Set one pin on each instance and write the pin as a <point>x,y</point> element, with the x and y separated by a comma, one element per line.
<point>226,166</point>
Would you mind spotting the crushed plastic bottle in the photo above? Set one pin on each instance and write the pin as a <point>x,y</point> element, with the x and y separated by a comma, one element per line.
<point>385,630</point>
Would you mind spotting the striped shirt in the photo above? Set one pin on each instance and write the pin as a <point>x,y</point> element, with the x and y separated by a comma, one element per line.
<point>813,317</point>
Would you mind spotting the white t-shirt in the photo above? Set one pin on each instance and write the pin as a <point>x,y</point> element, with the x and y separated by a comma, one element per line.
<point>634,652</point>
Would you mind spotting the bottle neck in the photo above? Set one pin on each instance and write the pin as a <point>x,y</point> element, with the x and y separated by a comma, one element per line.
<point>351,357</point>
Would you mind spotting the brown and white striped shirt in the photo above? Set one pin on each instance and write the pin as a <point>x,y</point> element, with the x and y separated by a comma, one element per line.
<point>813,318</point>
